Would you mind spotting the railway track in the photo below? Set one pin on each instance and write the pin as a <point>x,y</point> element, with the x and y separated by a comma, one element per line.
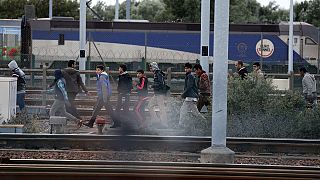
<point>66,169</point>
<point>155,143</point>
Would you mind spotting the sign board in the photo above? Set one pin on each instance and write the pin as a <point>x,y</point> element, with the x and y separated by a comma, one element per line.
<point>267,48</point>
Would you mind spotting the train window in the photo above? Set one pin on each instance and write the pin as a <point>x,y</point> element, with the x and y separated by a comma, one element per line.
<point>309,41</point>
<point>61,39</point>
<point>295,40</point>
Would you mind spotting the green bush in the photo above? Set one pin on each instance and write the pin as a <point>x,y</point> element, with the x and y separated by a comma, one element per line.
<point>256,109</point>
<point>29,121</point>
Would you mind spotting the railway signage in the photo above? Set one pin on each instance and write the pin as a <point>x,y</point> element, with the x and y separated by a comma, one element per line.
<point>264,48</point>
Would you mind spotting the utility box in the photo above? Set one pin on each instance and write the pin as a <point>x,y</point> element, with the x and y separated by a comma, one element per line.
<point>281,84</point>
<point>8,93</point>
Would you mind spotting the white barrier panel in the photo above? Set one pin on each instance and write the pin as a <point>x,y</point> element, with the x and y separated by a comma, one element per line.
<point>281,84</point>
<point>8,93</point>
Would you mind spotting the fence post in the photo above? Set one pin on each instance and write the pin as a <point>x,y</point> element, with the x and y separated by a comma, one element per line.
<point>44,84</point>
<point>291,81</point>
<point>169,76</point>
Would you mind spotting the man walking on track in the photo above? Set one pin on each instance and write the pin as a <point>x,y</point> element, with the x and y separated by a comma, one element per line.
<point>74,85</point>
<point>104,93</point>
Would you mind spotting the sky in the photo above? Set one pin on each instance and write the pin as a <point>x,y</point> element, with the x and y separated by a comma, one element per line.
<point>284,4</point>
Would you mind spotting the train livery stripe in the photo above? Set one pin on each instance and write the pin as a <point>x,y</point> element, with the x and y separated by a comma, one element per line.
<point>241,46</point>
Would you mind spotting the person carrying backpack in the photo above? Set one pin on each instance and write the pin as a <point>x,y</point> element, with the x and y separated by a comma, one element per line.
<point>160,89</point>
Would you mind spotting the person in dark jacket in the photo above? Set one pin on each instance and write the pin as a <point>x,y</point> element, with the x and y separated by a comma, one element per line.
<point>190,95</point>
<point>242,71</point>
<point>124,89</point>
<point>159,96</point>
<point>21,83</point>
<point>104,92</point>
<point>74,85</point>
<point>190,85</point>
<point>142,89</point>
<point>61,98</point>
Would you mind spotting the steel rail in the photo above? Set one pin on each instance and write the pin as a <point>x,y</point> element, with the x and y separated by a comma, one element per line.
<point>65,169</point>
<point>190,144</point>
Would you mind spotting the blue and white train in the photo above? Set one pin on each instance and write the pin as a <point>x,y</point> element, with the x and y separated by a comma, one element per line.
<point>56,40</point>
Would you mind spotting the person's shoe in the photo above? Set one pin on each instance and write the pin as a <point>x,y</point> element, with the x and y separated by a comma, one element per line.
<point>88,125</point>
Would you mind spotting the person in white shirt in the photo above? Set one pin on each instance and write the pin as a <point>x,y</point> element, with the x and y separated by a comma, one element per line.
<point>309,87</point>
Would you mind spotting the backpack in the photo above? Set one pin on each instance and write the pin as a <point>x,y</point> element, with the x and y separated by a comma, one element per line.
<point>165,88</point>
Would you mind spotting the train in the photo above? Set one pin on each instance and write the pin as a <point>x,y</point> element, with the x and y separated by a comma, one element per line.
<point>172,43</point>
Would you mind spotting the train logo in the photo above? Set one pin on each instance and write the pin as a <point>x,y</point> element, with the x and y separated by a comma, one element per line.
<point>242,49</point>
<point>267,48</point>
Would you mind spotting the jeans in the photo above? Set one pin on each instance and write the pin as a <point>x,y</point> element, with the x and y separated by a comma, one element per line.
<point>20,100</point>
<point>121,104</point>
<point>72,109</point>
<point>100,103</point>
<point>203,100</point>
<point>312,101</point>
<point>59,106</point>
<point>139,109</point>
<point>158,100</point>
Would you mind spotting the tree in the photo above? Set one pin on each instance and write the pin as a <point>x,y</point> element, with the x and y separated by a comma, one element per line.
<point>308,11</point>
<point>152,10</point>
<point>104,11</point>
<point>241,11</point>
<point>244,11</point>
<point>13,9</point>
<point>272,14</point>
<point>183,10</point>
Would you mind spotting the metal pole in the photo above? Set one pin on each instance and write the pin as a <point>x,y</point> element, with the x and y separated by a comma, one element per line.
<point>44,84</point>
<point>205,34</point>
<point>89,59</point>
<point>145,49</point>
<point>318,49</point>
<point>128,9</point>
<point>116,16</point>
<point>290,53</point>
<point>220,73</point>
<point>261,50</point>
<point>50,9</point>
<point>82,34</point>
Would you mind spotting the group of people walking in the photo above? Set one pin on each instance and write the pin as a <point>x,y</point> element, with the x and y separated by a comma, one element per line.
<point>309,83</point>
<point>197,87</point>
<point>68,83</point>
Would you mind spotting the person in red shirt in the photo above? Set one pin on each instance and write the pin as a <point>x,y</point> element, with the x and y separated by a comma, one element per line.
<point>142,89</point>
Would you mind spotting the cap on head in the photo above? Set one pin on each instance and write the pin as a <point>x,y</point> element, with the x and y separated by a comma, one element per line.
<point>154,66</point>
<point>13,65</point>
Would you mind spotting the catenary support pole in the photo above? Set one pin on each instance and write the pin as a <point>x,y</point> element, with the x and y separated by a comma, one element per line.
<point>116,16</point>
<point>82,35</point>
<point>218,152</point>
<point>290,53</point>
<point>50,9</point>
<point>205,34</point>
<point>128,6</point>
